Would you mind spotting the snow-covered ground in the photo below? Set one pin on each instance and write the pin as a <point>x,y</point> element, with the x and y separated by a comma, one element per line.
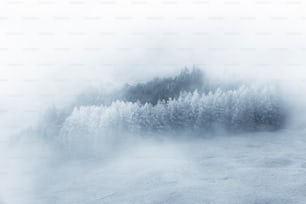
<point>251,168</point>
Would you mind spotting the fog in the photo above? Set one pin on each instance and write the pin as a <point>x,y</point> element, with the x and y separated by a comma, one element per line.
<point>152,102</point>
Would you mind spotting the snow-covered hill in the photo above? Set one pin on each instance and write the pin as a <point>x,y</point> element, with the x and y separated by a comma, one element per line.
<point>186,104</point>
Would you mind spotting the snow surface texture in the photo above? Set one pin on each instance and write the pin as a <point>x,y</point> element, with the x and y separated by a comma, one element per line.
<point>228,170</point>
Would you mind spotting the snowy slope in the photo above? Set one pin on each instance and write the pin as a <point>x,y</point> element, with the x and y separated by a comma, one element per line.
<point>265,168</point>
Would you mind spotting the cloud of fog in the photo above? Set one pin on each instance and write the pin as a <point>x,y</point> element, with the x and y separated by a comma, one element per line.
<point>56,58</point>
